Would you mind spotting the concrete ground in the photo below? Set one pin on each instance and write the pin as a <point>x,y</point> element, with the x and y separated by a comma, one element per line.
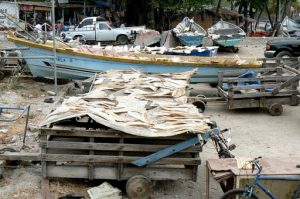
<point>254,131</point>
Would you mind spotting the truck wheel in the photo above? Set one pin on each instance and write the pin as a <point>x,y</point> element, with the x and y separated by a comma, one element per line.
<point>284,54</point>
<point>122,39</point>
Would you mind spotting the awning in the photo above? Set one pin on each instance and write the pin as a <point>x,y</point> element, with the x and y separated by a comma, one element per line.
<point>39,8</point>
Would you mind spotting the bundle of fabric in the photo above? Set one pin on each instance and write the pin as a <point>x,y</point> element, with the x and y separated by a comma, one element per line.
<point>136,103</point>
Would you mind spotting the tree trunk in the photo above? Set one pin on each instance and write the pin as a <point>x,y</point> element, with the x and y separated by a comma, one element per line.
<point>246,16</point>
<point>258,17</point>
<point>217,11</point>
<point>270,18</point>
<point>287,9</point>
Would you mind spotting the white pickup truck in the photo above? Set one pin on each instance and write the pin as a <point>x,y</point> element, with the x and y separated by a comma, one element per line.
<point>95,29</point>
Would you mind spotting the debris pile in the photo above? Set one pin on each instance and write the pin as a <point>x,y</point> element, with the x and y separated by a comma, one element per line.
<point>136,103</point>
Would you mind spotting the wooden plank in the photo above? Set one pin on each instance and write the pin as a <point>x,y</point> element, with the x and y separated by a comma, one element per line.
<point>45,189</point>
<point>261,78</point>
<point>110,173</point>
<point>111,146</point>
<point>120,166</point>
<point>222,93</point>
<point>291,69</point>
<point>240,71</point>
<point>160,173</point>
<point>285,84</point>
<point>257,95</point>
<point>20,156</point>
<point>105,134</point>
<point>115,159</point>
<point>43,138</point>
<point>238,88</point>
<point>91,166</point>
<point>62,171</point>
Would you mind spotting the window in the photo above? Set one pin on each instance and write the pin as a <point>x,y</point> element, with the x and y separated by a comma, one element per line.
<point>86,23</point>
<point>103,26</point>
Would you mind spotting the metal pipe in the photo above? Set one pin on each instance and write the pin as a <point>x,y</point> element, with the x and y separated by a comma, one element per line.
<point>54,45</point>
<point>34,57</point>
<point>26,124</point>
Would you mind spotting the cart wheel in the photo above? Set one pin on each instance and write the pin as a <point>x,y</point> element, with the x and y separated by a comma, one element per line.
<point>275,109</point>
<point>139,187</point>
<point>236,50</point>
<point>200,105</point>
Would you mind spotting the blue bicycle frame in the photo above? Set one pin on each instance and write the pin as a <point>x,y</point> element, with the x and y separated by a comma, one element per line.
<point>262,187</point>
<point>268,192</point>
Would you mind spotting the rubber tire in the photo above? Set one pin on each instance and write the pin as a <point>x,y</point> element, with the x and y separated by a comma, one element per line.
<point>122,39</point>
<point>284,53</point>
<point>275,109</point>
<point>236,192</point>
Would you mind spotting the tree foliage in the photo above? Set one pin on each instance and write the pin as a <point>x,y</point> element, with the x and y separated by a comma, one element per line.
<point>180,5</point>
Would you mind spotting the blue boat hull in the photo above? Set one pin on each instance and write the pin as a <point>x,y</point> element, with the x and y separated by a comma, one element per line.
<point>228,41</point>
<point>77,67</point>
<point>191,40</point>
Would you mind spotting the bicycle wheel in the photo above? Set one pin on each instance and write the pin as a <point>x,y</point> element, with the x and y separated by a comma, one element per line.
<point>238,194</point>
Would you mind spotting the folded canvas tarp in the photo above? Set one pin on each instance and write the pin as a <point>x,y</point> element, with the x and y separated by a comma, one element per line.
<point>136,103</point>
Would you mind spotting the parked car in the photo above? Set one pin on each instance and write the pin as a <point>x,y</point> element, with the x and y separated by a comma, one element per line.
<point>101,31</point>
<point>283,47</point>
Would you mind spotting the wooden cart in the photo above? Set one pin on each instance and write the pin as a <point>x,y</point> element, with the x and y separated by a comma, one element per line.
<point>276,86</point>
<point>77,152</point>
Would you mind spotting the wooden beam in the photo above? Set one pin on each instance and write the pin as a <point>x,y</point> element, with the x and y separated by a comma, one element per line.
<point>45,189</point>
<point>111,146</point>
<point>115,159</point>
<point>20,156</point>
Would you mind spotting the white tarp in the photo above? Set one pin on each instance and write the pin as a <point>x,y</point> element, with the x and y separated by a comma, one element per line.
<point>9,9</point>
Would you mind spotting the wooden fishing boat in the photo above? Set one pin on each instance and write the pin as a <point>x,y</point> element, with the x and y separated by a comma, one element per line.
<point>189,33</point>
<point>226,34</point>
<point>72,63</point>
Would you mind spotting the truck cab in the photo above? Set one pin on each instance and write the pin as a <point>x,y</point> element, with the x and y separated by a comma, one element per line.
<point>88,23</point>
<point>283,47</point>
<point>97,29</point>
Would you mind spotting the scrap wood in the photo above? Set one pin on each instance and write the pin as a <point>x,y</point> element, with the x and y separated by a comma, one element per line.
<point>136,103</point>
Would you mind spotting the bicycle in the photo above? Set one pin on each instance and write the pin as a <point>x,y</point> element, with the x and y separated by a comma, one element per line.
<point>248,191</point>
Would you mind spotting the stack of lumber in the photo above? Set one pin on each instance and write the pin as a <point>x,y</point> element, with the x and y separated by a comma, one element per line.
<point>136,103</point>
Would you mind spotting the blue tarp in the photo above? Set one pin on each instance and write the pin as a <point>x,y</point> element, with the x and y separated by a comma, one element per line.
<point>248,74</point>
